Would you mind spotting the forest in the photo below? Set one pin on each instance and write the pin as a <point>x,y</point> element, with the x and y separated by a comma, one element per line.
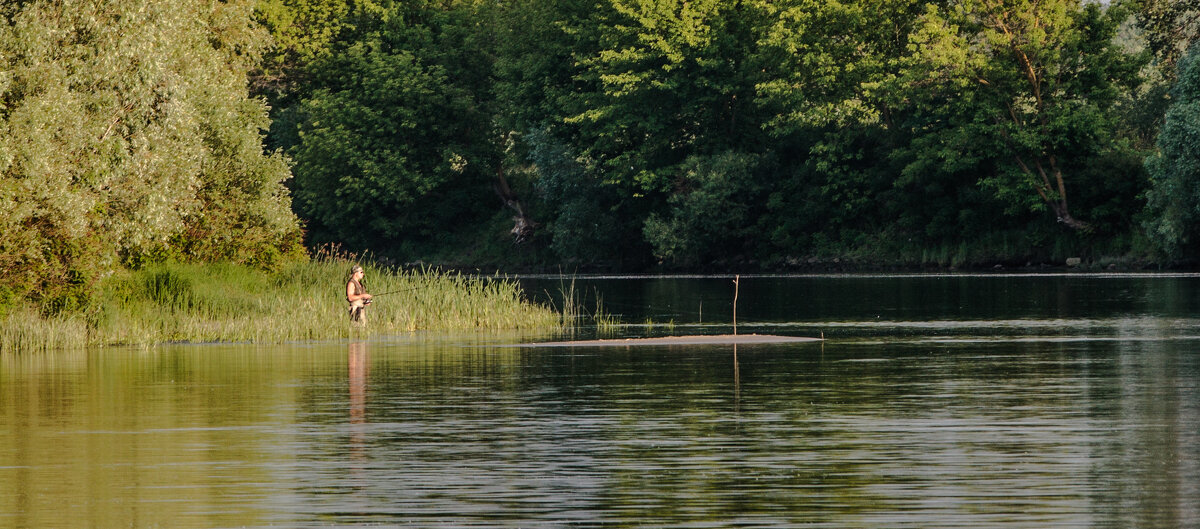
<point>595,135</point>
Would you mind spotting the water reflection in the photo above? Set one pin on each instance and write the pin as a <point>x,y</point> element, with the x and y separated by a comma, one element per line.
<point>902,426</point>
<point>737,375</point>
<point>882,298</point>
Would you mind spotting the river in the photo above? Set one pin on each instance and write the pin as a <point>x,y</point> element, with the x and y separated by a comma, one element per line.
<point>1031,401</point>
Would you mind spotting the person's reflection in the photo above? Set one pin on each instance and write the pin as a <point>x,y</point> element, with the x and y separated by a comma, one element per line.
<point>359,369</point>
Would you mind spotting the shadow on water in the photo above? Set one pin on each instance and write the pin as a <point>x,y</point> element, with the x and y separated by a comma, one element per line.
<point>1040,417</point>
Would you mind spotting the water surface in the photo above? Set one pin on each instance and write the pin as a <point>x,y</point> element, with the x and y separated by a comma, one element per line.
<point>950,401</point>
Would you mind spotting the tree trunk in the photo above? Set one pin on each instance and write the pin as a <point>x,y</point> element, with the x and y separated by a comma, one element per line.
<point>523,226</point>
<point>1054,194</point>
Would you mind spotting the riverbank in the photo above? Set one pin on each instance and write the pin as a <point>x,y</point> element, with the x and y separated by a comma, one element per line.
<point>822,265</point>
<point>302,301</point>
<point>477,253</point>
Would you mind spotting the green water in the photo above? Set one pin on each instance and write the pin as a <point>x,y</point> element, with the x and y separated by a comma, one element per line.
<point>951,401</point>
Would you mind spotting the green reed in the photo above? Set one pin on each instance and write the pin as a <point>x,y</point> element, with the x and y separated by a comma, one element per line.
<point>303,301</point>
<point>573,315</point>
<point>606,323</point>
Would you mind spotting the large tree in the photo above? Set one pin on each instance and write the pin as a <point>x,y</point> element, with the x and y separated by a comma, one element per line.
<point>394,143</point>
<point>828,104</point>
<point>654,85</point>
<point>1037,82</point>
<point>127,134</point>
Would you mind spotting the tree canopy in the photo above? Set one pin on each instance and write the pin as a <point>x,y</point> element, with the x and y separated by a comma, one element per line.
<point>127,133</point>
<point>620,134</point>
<point>1175,169</point>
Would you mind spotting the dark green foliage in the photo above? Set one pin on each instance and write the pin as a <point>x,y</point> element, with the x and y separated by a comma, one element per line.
<point>695,134</point>
<point>537,42</point>
<point>1028,95</point>
<point>711,215</point>
<point>667,80</point>
<point>391,145</point>
<point>1174,196</point>
<point>375,150</point>
<point>585,221</point>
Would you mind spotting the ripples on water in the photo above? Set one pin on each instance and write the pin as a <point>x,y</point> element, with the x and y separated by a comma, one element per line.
<point>851,436</point>
<point>1082,420</point>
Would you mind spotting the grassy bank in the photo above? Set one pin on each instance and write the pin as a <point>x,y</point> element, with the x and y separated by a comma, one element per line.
<point>304,301</point>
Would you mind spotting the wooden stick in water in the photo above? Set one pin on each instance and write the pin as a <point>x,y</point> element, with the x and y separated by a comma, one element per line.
<point>735,295</point>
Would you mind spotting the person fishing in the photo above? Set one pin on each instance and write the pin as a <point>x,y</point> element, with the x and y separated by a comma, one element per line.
<point>357,296</point>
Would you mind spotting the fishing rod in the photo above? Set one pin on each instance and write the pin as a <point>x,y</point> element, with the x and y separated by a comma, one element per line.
<point>373,296</point>
<point>395,291</point>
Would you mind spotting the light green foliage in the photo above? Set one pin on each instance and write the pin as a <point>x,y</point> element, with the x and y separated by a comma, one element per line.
<point>127,134</point>
<point>303,31</point>
<point>1169,27</point>
<point>825,62</point>
<point>1174,195</point>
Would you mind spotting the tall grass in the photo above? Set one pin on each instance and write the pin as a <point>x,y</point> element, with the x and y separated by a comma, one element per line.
<point>606,323</point>
<point>303,301</point>
<point>573,315</point>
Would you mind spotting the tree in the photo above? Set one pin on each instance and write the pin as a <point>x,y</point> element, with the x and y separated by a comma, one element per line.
<point>394,143</point>
<point>585,226</point>
<point>669,80</point>
<point>825,62</point>
<point>1169,26</point>
<point>1035,80</point>
<point>1174,195</point>
<point>537,43</point>
<point>650,84</point>
<point>302,31</point>
<point>711,218</point>
<point>828,107</point>
<point>126,135</point>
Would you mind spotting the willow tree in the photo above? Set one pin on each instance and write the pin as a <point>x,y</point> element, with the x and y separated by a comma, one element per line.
<point>126,135</point>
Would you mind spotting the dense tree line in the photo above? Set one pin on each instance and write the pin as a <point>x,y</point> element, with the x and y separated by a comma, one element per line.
<point>628,133</point>
<point>606,133</point>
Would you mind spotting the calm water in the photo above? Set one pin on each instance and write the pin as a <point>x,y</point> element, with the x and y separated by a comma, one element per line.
<point>952,401</point>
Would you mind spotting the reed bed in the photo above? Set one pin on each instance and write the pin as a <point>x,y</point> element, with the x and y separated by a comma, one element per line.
<point>304,301</point>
